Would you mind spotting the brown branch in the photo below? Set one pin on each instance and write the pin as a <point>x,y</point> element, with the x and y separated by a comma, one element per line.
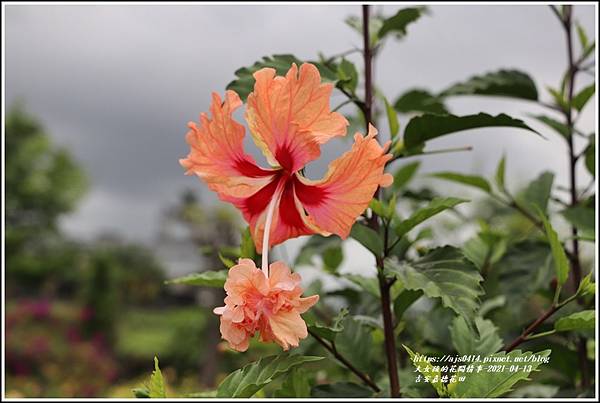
<point>384,286</point>
<point>531,328</point>
<point>572,154</point>
<point>331,348</point>
<point>576,263</point>
<point>368,103</point>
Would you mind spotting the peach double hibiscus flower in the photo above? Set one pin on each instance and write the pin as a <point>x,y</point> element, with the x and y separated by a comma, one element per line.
<point>289,119</point>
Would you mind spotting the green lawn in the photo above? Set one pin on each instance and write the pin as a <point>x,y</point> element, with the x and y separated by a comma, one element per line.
<point>143,333</point>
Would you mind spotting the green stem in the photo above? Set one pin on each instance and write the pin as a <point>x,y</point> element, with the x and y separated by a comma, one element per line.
<point>538,335</point>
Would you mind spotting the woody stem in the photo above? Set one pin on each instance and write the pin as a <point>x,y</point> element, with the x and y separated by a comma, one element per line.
<point>384,285</point>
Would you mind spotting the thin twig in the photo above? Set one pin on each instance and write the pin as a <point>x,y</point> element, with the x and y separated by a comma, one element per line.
<point>331,348</point>
<point>559,201</point>
<point>589,187</point>
<point>432,152</point>
<point>557,13</point>
<point>346,102</point>
<point>550,106</point>
<point>330,59</point>
<point>531,328</point>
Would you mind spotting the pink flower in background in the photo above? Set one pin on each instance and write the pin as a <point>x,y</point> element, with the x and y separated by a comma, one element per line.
<point>268,305</point>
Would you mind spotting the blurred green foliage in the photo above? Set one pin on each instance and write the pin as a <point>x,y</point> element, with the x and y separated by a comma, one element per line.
<point>83,314</point>
<point>42,183</point>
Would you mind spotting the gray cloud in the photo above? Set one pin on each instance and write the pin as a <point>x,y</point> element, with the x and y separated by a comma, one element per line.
<point>117,84</point>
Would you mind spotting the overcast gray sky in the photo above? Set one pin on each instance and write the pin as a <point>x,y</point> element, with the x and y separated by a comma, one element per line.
<point>118,84</point>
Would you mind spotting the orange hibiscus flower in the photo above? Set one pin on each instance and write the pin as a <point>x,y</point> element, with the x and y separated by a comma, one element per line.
<point>289,119</point>
<point>271,306</point>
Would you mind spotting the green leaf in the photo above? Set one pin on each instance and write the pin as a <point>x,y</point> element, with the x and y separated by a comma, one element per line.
<point>340,389</point>
<point>436,206</point>
<point>206,279</point>
<point>505,83</point>
<point>368,284</point>
<point>584,320</point>
<point>390,210</point>
<point>582,218</point>
<point>295,385</point>
<point>537,192</point>
<point>316,245</point>
<point>420,100</point>
<point>583,97</point>
<point>392,118</point>
<point>332,258</point>
<point>141,393</point>
<point>426,127</point>
<point>156,388</point>
<point>583,39</point>
<point>588,51</point>
<point>248,380</point>
<point>247,248</point>
<point>426,368</point>
<point>491,304</point>
<point>244,83</point>
<point>347,76</point>
<point>378,208</point>
<point>226,261</point>
<point>367,238</point>
<point>375,23</point>
<point>561,264</point>
<point>485,341</point>
<point>485,248</point>
<point>500,174</point>
<point>404,301</point>
<point>404,174</point>
<point>490,384</point>
<point>469,180</point>
<point>586,286</point>
<point>398,23</point>
<point>356,342</point>
<point>559,97</point>
<point>590,156</point>
<point>554,124</point>
<point>443,273</point>
<point>521,271</point>
<point>330,332</point>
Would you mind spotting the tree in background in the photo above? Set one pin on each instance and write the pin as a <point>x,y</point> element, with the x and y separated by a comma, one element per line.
<point>209,229</point>
<point>43,182</point>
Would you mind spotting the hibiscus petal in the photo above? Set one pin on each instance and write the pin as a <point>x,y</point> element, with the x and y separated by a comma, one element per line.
<point>289,117</point>
<point>287,221</point>
<point>287,328</point>
<point>236,335</point>
<point>217,153</point>
<point>244,278</point>
<point>334,203</point>
<point>281,278</point>
<point>305,303</point>
<point>219,310</point>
